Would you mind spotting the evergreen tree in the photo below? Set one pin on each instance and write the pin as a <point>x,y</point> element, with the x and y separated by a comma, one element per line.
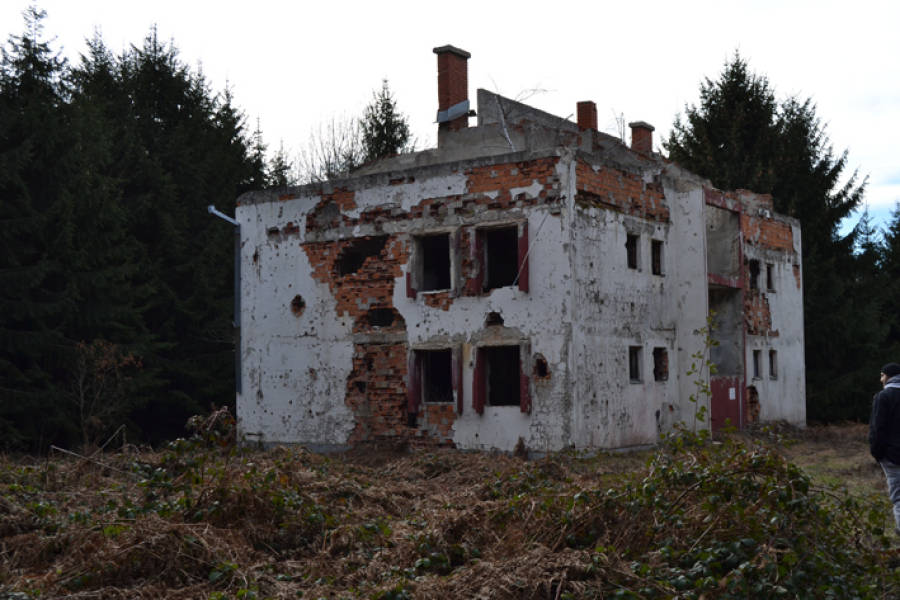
<point>740,137</point>
<point>890,289</point>
<point>35,236</point>
<point>385,131</point>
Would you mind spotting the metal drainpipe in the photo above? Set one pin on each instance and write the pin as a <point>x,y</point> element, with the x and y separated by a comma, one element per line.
<point>236,323</point>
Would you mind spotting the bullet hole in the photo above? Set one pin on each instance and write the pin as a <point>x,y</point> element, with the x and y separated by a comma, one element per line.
<point>360,386</point>
<point>493,318</point>
<point>256,257</point>
<point>273,231</point>
<point>354,254</point>
<point>298,305</point>
<point>541,370</point>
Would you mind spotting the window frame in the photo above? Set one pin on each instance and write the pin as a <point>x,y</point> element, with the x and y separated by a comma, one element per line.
<point>415,388</point>
<point>480,391</point>
<point>415,274</point>
<point>657,257</point>
<point>773,364</point>
<point>633,251</point>
<point>756,358</point>
<point>635,364</point>
<point>658,374</point>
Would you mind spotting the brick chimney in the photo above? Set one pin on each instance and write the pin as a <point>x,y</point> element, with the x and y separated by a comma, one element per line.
<point>453,88</point>
<point>587,115</point>
<point>641,137</point>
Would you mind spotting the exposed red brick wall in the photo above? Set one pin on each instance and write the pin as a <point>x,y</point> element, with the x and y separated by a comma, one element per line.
<point>621,191</point>
<point>503,177</point>
<point>372,285</point>
<point>376,392</point>
<point>757,315</point>
<point>767,233</point>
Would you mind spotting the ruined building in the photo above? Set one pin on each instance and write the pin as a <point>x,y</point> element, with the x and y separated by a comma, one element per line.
<point>530,278</point>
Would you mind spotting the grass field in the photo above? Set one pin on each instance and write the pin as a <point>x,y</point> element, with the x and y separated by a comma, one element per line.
<point>786,512</point>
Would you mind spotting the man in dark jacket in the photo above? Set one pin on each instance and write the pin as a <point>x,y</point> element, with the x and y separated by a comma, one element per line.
<point>884,433</point>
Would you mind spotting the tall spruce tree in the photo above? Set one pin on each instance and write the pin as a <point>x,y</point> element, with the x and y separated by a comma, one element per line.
<point>384,129</point>
<point>34,233</point>
<point>739,136</point>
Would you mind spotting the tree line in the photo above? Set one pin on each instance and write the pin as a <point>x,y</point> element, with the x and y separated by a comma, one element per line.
<point>116,286</point>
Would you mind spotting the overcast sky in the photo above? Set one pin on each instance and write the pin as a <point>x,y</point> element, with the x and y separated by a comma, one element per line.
<point>294,65</point>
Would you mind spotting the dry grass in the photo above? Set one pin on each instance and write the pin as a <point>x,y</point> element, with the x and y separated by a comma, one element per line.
<point>370,524</point>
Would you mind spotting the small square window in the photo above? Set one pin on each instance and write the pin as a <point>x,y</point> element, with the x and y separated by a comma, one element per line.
<point>435,262</point>
<point>660,364</point>
<point>770,277</point>
<point>757,364</point>
<point>634,364</point>
<point>501,256</point>
<point>656,257</point>
<point>773,364</point>
<point>754,274</point>
<point>631,251</point>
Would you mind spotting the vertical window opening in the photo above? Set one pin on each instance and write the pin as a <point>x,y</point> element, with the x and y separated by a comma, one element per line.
<point>631,250</point>
<point>660,364</point>
<point>656,255</point>
<point>435,262</point>
<point>757,364</point>
<point>754,274</point>
<point>634,364</point>
<point>501,257</point>
<point>503,375</point>
<point>770,277</point>
<point>437,375</point>
<point>773,364</point>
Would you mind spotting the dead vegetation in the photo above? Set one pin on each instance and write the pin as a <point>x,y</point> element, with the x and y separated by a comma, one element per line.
<point>204,519</point>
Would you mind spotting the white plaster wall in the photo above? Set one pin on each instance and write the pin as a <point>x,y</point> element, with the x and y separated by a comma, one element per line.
<point>538,315</point>
<point>687,297</point>
<point>294,368</point>
<point>782,398</point>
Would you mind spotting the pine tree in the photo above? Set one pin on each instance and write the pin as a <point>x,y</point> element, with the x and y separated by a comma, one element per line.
<point>741,137</point>
<point>385,131</point>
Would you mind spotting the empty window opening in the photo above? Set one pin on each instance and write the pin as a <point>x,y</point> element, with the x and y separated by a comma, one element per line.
<point>435,261</point>
<point>493,318</point>
<point>357,251</point>
<point>502,375</point>
<point>381,317</point>
<point>773,364</point>
<point>634,364</point>
<point>437,375</point>
<point>770,277</point>
<point>754,274</point>
<point>541,370</point>
<point>501,257</point>
<point>631,250</point>
<point>660,364</point>
<point>757,364</point>
<point>656,256</point>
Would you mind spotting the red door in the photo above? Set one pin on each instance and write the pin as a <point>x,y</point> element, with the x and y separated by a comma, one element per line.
<point>725,402</point>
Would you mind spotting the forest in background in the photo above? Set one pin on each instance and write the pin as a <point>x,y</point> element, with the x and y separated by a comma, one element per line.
<point>116,285</point>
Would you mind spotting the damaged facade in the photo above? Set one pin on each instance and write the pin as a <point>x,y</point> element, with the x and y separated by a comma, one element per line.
<point>530,278</point>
